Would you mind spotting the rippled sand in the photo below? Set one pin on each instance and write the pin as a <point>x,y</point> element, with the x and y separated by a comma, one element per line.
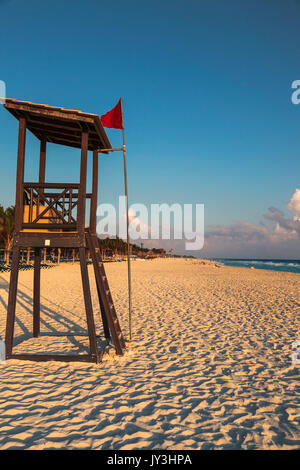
<point>210,367</point>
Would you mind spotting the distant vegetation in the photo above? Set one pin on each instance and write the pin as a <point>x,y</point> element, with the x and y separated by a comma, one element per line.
<point>119,245</point>
<point>110,247</point>
<point>7,222</point>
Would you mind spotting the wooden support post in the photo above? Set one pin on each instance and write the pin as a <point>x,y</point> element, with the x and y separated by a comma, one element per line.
<point>88,303</point>
<point>102,308</point>
<point>82,184</point>
<point>111,324</point>
<point>20,174</point>
<point>42,169</point>
<point>36,293</point>
<point>93,206</point>
<point>12,298</point>
<point>103,316</point>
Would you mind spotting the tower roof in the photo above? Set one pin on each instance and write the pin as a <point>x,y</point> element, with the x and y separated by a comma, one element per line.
<point>59,125</point>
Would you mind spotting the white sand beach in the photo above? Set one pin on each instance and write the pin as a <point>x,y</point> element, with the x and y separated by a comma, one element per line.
<point>210,367</point>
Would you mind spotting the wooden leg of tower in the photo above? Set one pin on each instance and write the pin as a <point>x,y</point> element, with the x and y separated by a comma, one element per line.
<point>88,304</point>
<point>12,298</point>
<point>103,316</point>
<point>111,320</point>
<point>97,274</point>
<point>36,293</point>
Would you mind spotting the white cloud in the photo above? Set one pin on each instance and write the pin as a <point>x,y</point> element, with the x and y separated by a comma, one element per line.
<point>294,204</point>
<point>281,239</point>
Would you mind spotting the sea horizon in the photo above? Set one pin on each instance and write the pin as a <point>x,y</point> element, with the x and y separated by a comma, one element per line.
<point>272,264</point>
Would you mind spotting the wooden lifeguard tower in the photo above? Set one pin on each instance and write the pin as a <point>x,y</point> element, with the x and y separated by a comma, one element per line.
<point>54,215</point>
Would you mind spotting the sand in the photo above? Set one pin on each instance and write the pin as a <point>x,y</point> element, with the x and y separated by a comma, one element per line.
<point>210,367</point>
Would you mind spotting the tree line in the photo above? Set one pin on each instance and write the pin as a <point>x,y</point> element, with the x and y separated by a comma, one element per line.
<point>112,246</point>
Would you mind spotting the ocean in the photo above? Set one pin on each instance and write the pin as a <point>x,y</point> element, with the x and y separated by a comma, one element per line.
<point>285,265</point>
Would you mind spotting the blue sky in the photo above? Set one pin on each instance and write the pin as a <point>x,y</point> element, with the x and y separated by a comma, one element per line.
<point>207,98</point>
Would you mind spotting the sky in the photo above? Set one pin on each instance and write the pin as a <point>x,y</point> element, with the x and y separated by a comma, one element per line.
<point>206,86</point>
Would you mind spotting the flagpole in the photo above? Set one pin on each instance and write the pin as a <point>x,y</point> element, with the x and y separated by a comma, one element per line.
<point>127,225</point>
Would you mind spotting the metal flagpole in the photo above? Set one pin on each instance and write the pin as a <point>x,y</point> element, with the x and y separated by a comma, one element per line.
<point>127,225</point>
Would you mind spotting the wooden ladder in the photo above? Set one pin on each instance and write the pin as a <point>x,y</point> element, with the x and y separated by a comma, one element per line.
<point>110,320</point>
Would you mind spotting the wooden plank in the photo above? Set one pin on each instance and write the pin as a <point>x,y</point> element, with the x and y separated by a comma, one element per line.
<point>41,226</point>
<point>107,302</point>
<point>59,134</point>
<point>12,298</point>
<point>70,205</point>
<point>71,143</point>
<point>48,235</point>
<point>82,184</point>
<point>102,311</point>
<point>93,206</point>
<point>67,196</point>
<point>55,357</point>
<point>30,206</point>
<point>42,168</point>
<point>98,282</point>
<point>20,173</point>
<point>36,293</point>
<point>34,185</point>
<point>49,112</point>
<point>53,195</point>
<point>88,302</point>
<point>75,134</point>
<point>47,123</point>
<point>58,242</point>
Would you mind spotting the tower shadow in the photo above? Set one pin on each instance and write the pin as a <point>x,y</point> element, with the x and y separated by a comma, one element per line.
<point>66,327</point>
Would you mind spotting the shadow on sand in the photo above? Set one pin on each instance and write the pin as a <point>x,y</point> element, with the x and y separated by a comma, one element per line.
<point>70,328</point>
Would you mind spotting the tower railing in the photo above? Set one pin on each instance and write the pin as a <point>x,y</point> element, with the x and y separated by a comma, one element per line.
<point>50,206</point>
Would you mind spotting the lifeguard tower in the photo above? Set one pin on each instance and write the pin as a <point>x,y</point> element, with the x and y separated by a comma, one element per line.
<point>54,215</point>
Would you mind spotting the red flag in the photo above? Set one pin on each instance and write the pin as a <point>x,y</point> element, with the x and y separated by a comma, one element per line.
<point>113,118</point>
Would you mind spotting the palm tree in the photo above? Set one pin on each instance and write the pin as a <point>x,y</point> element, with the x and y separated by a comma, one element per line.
<point>7,222</point>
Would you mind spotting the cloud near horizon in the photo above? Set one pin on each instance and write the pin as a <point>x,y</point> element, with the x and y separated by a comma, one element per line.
<point>278,237</point>
<point>248,240</point>
<point>294,204</point>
